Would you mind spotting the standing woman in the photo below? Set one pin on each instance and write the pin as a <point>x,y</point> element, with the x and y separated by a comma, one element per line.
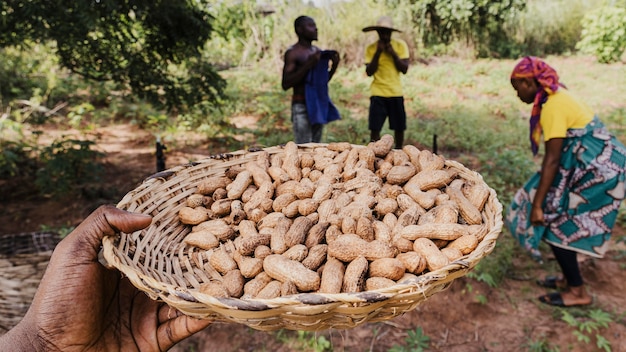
<point>572,202</point>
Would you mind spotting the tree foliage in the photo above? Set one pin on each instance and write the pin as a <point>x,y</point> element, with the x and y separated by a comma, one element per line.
<point>153,46</point>
<point>604,34</point>
<point>479,22</point>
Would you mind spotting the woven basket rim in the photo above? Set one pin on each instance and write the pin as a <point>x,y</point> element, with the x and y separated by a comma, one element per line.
<point>175,296</point>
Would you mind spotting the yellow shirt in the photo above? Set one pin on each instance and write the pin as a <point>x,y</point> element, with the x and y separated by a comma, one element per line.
<point>561,112</point>
<point>386,81</point>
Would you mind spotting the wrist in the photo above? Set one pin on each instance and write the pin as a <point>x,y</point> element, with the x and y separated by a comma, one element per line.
<point>18,339</point>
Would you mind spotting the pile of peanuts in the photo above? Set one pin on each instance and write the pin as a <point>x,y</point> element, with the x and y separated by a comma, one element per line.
<point>342,218</point>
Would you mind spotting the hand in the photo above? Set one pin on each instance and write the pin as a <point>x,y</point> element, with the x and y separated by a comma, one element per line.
<point>81,305</point>
<point>536,216</point>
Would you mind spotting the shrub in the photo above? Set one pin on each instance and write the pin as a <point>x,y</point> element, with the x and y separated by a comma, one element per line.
<point>604,34</point>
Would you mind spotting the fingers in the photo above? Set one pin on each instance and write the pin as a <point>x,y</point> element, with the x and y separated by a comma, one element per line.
<point>178,329</point>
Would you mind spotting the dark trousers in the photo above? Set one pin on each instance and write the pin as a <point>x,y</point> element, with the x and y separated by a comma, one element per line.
<point>569,265</point>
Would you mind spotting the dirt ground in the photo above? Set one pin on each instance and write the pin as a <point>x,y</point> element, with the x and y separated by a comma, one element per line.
<point>469,316</point>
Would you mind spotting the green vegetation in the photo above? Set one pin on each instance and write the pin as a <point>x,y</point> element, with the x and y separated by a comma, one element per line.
<point>416,341</point>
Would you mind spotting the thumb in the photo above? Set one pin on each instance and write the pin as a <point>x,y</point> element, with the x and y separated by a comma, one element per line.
<point>107,220</point>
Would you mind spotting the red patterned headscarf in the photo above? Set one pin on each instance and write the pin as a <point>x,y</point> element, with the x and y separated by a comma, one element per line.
<point>548,81</point>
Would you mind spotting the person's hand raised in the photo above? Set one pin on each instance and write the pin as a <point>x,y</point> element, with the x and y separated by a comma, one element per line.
<point>81,305</point>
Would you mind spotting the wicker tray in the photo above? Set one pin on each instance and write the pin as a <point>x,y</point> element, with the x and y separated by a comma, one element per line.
<point>157,261</point>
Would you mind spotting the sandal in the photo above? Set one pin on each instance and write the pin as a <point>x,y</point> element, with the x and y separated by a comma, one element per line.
<point>555,299</point>
<point>551,282</point>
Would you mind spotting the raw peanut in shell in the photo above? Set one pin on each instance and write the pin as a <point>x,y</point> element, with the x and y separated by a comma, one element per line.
<point>247,228</point>
<point>477,194</point>
<point>282,201</point>
<point>326,208</point>
<point>221,261</point>
<point>193,216</point>
<point>282,269</point>
<point>468,211</point>
<point>429,251</point>
<point>270,220</point>
<point>271,290</point>
<point>221,207</point>
<point>386,206</point>
<point>451,253</point>
<point>425,199</point>
<point>401,174</point>
<point>286,187</point>
<point>278,243</point>
<point>297,252</point>
<point>390,220</point>
<point>348,247</point>
<point>288,288</point>
<point>252,288</point>
<point>445,231</point>
<point>333,233</point>
<point>381,231</point>
<point>256,215</point>
<point>466,243</point>
<point>364,229</point>
<point>316,234</point>
<point>332,276</point>
<point>323,191</point>
<point>259,174</point>
<point>233,171</point>
<point>239,184</point>
<point>278,174</point>
<point>413,154</point>
<point>405,201</point>
<point>249,266</point>
<point>377,283</point>
<point>390,268</point>
<point>291,161</point>
<point>291,210</point>
<point>413,262</point>
<point>214,288</point>
<point>208,186</point>
<point>217,227</point>
<point>298,231</point>
<point>355,275</point>
<point>265,192</point>
<point>195,200</point>
<point>339,146</point>
<point>247,194</point>
<point>348,225</point>
<point>447,212</point>
<point>382,146</point>
<point>262,251</point>
<point>246,245</point>
<point>315,257</point>
<point>429,161</point>
<point>233,282</point>
<point>306,160</point>
<point>428,179</point>
<point>307,206</point>
<point>202,239</point>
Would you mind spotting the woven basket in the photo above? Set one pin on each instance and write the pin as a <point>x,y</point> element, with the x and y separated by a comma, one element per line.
<point>23,260</point>
<point>158,262</point>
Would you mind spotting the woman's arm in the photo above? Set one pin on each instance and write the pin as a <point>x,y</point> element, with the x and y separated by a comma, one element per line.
<point>549,169</point>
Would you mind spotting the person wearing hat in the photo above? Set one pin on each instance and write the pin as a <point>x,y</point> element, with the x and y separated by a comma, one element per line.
<point>306,70</point>
<point>385,59</point>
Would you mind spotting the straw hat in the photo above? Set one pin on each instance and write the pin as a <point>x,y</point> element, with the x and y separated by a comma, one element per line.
<point>384,22</point>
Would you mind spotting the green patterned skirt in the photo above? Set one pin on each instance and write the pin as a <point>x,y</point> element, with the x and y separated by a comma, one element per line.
<point>581,206</point>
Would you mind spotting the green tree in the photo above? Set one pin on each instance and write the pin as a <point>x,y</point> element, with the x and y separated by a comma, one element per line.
<point>152,46</point>
<point>480,22</point>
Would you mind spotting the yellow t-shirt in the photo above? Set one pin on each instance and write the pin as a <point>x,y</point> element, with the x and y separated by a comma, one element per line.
<point>386,81</point>
<point>561,112</point>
